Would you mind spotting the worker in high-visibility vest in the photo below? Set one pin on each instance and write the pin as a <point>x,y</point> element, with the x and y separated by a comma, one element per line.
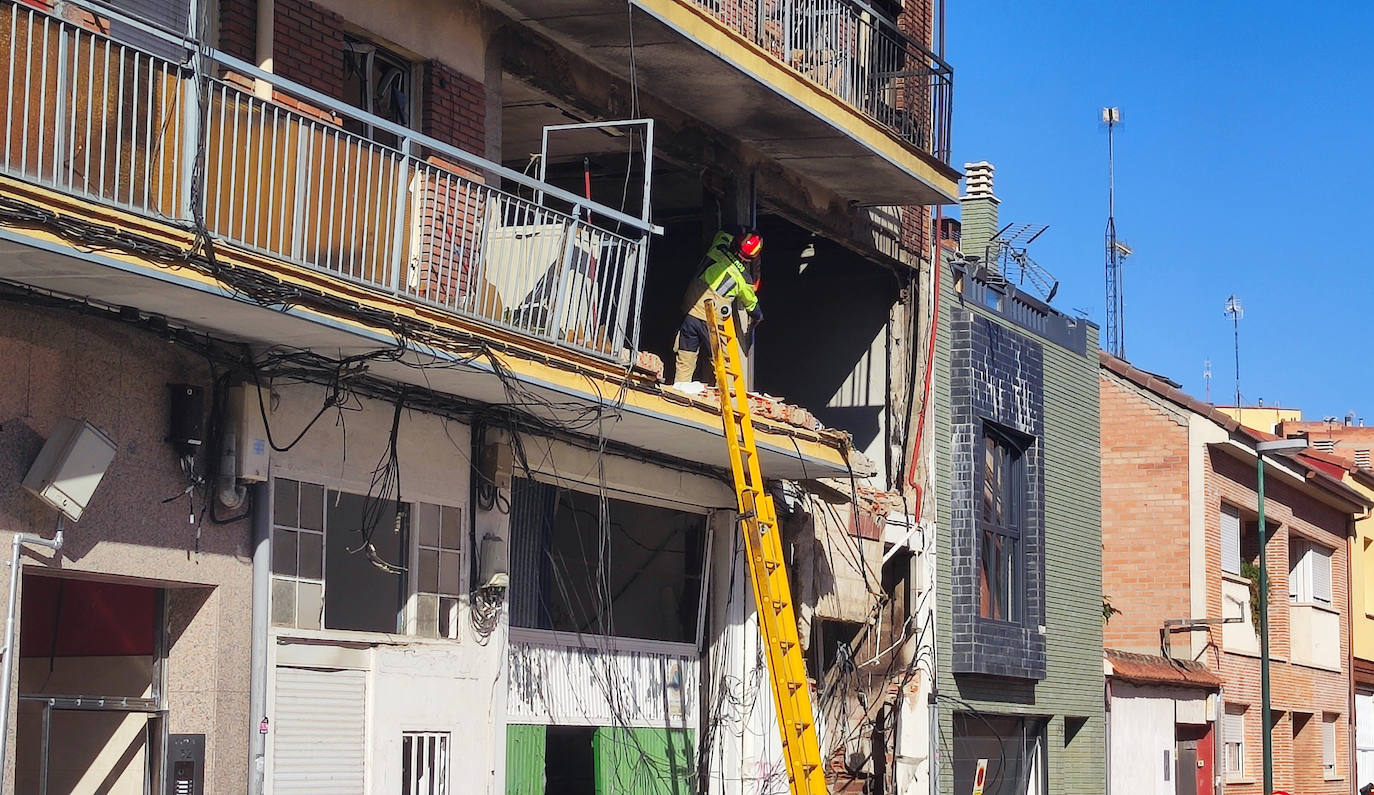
<point>724,275</point>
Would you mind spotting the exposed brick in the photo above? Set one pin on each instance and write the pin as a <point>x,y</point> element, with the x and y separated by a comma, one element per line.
<point>453,108</point>
<point>1146,555</point>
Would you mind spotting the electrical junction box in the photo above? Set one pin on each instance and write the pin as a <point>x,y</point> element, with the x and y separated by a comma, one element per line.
<point>70,466</point>
<point>245,415</point>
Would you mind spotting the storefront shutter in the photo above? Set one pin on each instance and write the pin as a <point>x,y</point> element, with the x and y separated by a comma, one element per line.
<point>319,731</point>
<point>525,754</point>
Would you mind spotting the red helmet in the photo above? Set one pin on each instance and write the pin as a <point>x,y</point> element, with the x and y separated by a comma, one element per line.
<point>749,245</point>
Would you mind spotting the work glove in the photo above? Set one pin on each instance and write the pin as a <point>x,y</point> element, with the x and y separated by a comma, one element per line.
<point>756,315</point>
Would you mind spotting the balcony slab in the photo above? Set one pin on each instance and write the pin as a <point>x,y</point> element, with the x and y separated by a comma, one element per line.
<point>708,71</point>
<point>563,387</point>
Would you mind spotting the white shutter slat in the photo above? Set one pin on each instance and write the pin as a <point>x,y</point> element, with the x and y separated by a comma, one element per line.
<point>319,731</point>
<point>1230,539</point>
<point>1233,730</point>
<point>1320,558</point>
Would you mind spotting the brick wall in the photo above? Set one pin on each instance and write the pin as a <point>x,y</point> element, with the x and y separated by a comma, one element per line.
<point>453,108</point>
<point>1295,688</point>
<point>307,46</point>
<point>238,28</point>
<point>1145,523</point>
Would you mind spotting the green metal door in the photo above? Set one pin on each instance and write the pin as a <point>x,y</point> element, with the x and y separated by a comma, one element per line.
<point>525,747</point>
<point>643,761</point>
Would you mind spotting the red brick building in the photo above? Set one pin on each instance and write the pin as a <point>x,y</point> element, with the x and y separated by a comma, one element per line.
<point>1180,548</point>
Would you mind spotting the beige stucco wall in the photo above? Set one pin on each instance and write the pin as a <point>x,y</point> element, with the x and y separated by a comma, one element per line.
<point>58,363</point>
<point>447,31</point>
<point>1361,591</point>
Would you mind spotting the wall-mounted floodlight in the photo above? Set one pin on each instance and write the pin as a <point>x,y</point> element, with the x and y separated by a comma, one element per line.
<point>70,467</point>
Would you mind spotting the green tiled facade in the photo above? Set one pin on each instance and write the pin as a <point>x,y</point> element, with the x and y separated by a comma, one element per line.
<point>1070,694</point>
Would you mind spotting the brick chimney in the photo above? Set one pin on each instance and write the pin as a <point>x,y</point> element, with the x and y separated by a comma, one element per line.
<point>977,210</point>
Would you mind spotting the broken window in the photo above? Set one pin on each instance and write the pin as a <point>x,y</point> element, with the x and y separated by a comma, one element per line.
<point>438,569</point>
<point>1000,520</point>
<point>832,644</point>
<point>379,82</point>
<point>337,560</point>
<point>584,564</point>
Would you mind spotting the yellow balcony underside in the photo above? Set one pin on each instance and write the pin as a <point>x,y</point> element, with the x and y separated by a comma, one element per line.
<point>650,417</point>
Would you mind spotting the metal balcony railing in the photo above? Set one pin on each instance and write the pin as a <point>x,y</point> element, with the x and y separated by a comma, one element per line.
<point>859,55</point>
<point>163,135</point>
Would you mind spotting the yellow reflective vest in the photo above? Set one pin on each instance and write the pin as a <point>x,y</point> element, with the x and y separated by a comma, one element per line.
<point>724,275</point>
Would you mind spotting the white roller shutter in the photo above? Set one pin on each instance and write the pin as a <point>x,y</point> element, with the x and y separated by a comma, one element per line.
<point>1320,557</point>
<point>320,731</point>
<point>1230,539</point>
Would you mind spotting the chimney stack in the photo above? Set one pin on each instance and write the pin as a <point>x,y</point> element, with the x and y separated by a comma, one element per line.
<point>977,211</point>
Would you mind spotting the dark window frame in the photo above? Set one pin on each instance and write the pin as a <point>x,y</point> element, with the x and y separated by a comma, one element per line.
<point>1001,516</point>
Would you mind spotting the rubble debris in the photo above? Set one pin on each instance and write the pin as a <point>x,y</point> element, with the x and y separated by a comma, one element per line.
<point>649,364</point>
<point>760,405</point>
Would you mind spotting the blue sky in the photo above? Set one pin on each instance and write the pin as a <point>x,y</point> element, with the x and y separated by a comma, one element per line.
<point>1245,165</point>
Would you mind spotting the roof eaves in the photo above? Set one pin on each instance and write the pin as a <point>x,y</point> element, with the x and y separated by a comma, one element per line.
<point>1164,389</point>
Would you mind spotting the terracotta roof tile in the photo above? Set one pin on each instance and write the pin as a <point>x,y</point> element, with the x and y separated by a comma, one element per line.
<point>1150,669</point>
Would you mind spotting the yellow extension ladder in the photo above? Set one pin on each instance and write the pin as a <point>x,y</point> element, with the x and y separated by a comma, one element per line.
<point>763,545</point>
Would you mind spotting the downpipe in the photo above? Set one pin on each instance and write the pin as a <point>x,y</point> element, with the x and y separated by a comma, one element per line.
<point>7,671</point>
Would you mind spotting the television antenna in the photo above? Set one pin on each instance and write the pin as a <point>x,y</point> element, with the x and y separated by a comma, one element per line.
<point>1236,312</point>
<point>1116,251</point>
<point>1010,245</point>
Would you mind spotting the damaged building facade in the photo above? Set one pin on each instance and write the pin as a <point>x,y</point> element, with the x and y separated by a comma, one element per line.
<point>362,310</point>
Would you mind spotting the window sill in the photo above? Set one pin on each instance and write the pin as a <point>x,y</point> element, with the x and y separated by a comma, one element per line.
<point>998,622</point>
<point>1235,578</point>
<point>1332,778</point>
<point>1316,666</point>
<point>1322,606</point>
<point>1279,658</point>
<point>288,635</point>
<point>1241,780</point>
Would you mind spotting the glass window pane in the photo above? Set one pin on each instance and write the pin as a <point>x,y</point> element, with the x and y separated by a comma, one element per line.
<point>427,524</point>
<point>990,485</point>
<point>429,572</point>
<point>310,605</point>
<point>284,495</point>
<point>449,572</point>
<point>284,552</point>
<point>1011,574</point>
<point>451,531</point>
<point>427,615</point>
<point>311,556</point>
<point>283,603</point>
<point>994,576</point>
<point>312,507</point>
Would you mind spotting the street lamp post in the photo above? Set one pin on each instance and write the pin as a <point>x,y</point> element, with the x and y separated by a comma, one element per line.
<point>1266,724</point>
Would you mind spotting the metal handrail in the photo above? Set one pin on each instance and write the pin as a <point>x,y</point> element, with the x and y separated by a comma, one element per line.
<point>326,102</point>
<point>858,54</point>
<point>93,116</point>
